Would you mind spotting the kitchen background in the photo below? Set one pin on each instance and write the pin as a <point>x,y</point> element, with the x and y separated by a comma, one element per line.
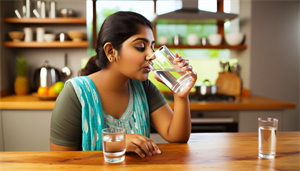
<point>269,65</point>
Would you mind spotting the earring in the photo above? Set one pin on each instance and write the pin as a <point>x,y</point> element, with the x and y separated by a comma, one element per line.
<point>111,58</point>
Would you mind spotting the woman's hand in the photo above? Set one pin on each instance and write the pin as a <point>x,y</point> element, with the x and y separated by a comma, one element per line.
<point>141,145</point>
<point>183,64</point>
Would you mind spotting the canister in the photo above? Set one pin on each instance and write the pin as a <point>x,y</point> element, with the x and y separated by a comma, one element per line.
<point>40,31</point>
<point>52,12</point>
<point>28,34</point>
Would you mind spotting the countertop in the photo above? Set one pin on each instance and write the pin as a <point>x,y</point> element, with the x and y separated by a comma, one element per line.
<point>253,102</point>
<point>204,151</point>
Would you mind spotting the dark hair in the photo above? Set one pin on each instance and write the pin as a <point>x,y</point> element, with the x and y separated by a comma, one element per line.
<point>115,29</point>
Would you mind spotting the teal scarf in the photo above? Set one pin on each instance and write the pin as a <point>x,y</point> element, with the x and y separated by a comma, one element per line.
<point>92,116</point>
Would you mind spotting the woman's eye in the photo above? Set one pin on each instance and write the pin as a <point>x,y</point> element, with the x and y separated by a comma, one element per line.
<point>140,48</point>
<point>152,47</point>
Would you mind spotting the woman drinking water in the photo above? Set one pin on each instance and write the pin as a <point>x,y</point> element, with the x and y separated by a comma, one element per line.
<point>113,90</point>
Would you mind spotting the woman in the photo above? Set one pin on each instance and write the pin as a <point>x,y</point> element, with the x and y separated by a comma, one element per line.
<point>114,91</point>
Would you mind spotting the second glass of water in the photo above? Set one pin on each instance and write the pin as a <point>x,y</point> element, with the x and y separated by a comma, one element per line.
<point>267,136</point>
<point>168,71</point>
<point>114,148</point>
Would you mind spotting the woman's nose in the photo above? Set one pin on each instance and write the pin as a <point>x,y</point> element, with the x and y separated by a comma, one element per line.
<point>151,56</point>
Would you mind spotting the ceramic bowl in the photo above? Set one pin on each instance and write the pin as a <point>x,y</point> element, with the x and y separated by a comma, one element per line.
<point>16,36</point>
<point>76,36</point>
<point>49,37</point>
<point>234,39</point>
<point>215,39</point>
<point>192,39</point>
<point>67,12</point>
<point>163,40</point>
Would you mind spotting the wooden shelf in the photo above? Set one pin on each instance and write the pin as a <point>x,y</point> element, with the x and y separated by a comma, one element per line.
<point>55,44</point>
<point>240,47</point>
<point>58,20</point>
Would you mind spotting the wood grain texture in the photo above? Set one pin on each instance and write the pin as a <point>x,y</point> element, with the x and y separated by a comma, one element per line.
<point>245,103</point>
<point>54,44</point>
<point>26,102</point>
<point>47,20</point>
<point>204,151</point>
<point>7,92</point>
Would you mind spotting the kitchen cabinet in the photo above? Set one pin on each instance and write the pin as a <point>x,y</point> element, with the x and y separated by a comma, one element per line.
<point>26,130</point>
<point>47,21</point>
<point>29,130</point>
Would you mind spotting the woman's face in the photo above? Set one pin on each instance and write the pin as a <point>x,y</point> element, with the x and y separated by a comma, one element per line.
<point>132,59</point>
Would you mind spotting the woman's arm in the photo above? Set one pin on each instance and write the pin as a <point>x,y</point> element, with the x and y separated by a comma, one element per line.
<point>173,127</point>
<point>176,126</point>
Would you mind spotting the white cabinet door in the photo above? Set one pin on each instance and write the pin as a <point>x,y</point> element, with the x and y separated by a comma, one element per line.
<point>26,130</point>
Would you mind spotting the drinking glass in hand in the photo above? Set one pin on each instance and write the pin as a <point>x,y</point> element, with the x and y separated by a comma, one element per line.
<point>165,68</point>
<point>113,140</point>
<point>267,135</point>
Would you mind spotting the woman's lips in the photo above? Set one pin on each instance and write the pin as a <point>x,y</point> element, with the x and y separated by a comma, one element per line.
<point>147,69</point>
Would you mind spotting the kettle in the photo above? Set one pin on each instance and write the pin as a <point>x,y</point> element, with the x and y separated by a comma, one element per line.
<point>46,76</point>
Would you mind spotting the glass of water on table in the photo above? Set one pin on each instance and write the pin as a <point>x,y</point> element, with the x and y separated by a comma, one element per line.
<point>267,137</point>
<point>168,71</point>
<point>114,148</point>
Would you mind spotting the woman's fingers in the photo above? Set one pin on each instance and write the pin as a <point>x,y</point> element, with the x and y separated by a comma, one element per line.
<point>139,151</point>
<point>194,75</point>
<point>152,146</point>
<point>141,145</point>
<point>155,148</point>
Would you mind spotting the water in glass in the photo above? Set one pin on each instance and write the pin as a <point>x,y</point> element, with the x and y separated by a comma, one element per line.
<point>175,79</point>
<point>267,141</point>
<point>114,147</point>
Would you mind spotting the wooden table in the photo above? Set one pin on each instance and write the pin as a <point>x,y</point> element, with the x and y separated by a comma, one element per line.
<point>204,151</point>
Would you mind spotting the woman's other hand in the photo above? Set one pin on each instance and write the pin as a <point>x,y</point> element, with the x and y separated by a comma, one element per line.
<point>141,145</point>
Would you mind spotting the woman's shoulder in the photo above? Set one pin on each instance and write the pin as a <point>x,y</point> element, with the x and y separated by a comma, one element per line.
<point>69,91</point>
<point>80,79</point>
<point>148,85</point>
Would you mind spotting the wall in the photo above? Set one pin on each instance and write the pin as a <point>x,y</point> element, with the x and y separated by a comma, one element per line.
<point>244,56</point>
<point>274,54</point>
<point>6,63</point>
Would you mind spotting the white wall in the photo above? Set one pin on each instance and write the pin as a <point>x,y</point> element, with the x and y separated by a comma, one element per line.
<point>274,63</point>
